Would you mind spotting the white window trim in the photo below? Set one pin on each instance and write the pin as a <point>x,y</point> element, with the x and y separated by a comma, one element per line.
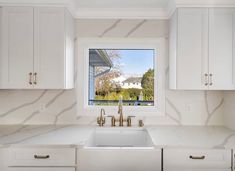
<point>84,44</point>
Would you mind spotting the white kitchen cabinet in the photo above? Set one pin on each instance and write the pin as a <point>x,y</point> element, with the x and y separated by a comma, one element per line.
<point>38,159</point>
<point>221,48</point>
<point>54,41</point>
<point>37,48</point>
<point>201,49</point>
<point>197,159</point>
<point>19,157</point>
<point>40,169</point>
<point>17,47</point>
<point>197,170</point>
<point>188,54</point>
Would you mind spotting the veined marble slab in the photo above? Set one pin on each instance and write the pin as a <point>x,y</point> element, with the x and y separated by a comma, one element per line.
<point>73,135</point>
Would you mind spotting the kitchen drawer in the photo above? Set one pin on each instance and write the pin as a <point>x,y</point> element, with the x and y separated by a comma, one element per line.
<point>41,169</point>
<point>41,157</point>
<point>197,159</point>
<point>197,170</point>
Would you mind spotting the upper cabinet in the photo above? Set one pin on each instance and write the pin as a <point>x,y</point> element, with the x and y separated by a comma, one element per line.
<point>37,48</point>
<point>201,49</point>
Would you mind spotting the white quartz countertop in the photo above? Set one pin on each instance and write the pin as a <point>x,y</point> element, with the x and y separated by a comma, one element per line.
<point>74,135</point>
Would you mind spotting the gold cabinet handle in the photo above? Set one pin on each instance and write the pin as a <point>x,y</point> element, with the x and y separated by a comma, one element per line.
<point>41,156</point>
<point>30,78</point>
<point>211,83</point>
<point>206,79</point>
<point>35,78</point>
<point>197,157</point>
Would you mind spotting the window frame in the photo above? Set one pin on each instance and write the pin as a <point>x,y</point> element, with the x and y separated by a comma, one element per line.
<point>158,44</point>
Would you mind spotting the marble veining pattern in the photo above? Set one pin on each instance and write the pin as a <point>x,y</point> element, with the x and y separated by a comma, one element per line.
<point>135,28</point>
<point>114,25</point>
<point>61,105</point>
<point>23,105</point>
<point>212,112</point>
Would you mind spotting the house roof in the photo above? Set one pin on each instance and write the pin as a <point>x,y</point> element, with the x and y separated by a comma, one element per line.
<point>99,57</point>
<point>133,80</point>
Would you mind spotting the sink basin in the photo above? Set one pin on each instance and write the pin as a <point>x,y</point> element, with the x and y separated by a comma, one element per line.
<point>119,149</point>
<point>119,137</point>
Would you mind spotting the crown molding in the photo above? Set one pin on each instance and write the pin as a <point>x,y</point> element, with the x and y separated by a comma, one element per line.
<point>204,3</point>
<point>120,13</point>
<point>117,13</point>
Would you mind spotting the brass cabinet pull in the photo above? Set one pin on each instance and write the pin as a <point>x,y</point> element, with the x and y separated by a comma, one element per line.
<point>41,156</point>
<point>30,78</point>
<point>206,79</point>
<point>211,83</point>
<point>197,157</point>
<point>35,78</point>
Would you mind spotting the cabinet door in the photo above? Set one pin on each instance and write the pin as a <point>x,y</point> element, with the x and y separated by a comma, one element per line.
<point>17,47</point>
<point>221,48</point>
<point>49,55</point>
<point>192,55</point>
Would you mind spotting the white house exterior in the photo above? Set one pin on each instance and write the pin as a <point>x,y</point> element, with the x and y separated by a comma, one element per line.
<point>132,82</point>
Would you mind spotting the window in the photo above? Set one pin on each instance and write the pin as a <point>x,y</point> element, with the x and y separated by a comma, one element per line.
<point>129,68</point>
<point>109,69</point>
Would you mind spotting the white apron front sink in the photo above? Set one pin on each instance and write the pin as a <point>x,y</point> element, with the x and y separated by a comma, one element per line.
<point>119,149</point>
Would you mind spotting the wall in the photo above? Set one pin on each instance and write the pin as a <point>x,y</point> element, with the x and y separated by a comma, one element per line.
<point>60,106</point>
<point>229,109</point>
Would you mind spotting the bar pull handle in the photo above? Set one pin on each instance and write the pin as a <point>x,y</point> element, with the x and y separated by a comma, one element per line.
<point>211,83</point>
<point>30,78</point>
<point>197,157</point>
<point>35,78</point>
<point>41,156</point>
<point>206,79</point>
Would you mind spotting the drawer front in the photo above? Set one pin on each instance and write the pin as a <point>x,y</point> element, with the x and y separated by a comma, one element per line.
<point>197,170</point>
<point>198,159</point>
<point>41,157</point>
<point>41,169</point>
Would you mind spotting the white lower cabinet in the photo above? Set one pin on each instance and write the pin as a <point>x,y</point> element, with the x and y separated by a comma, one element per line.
<point>197,160</point>
<point>39,159</point>
<point>198,169</point>
<point>40,169</point>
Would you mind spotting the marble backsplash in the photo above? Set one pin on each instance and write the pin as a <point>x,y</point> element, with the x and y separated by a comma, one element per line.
<point>53,107</point>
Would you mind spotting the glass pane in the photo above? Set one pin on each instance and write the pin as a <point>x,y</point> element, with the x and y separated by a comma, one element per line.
<point>121,72</point>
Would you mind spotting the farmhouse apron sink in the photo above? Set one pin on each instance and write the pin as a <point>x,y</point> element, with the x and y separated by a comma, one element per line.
<point>119,149</point>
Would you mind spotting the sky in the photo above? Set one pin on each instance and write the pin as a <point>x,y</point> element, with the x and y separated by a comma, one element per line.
<point>136,62</point>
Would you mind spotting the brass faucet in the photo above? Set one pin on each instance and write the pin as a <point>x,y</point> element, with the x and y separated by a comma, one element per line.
<point>120,112</point>
<point>121,118</point>
<point>101,118</point>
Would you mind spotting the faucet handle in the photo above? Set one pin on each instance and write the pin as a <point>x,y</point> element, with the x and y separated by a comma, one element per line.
<point>113,120</point>
<point>129,120</point>
<point>141,123</point>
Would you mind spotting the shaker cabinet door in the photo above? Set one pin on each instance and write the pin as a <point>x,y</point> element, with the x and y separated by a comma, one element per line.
<point>16,47</point>
<point>49,63</point>
<point>221,48</point>
<point>189,61</point>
